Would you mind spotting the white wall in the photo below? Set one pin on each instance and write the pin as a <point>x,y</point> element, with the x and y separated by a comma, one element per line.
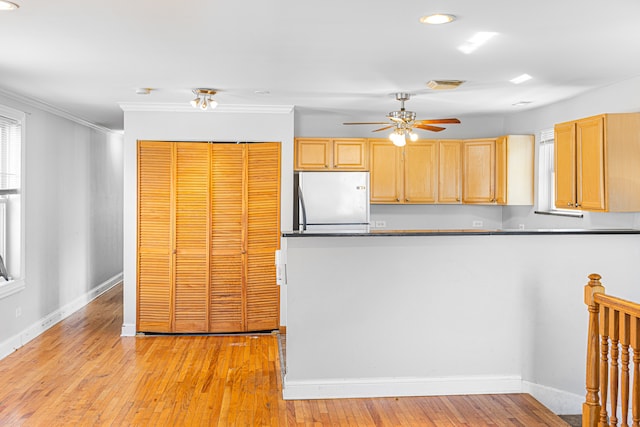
<point>447,314</point>
<point>186,124</point>
<point>72,200</point>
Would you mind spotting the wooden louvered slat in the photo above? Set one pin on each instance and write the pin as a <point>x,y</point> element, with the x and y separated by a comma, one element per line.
<point>191,236</point>
<point>154,281</point>
<point>227,238</point>
<point>263,236</point>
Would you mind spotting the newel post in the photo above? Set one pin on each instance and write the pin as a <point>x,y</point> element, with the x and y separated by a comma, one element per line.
<point>591,406</point>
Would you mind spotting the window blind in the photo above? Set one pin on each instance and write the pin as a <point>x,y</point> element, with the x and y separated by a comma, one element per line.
<point>10,133</point>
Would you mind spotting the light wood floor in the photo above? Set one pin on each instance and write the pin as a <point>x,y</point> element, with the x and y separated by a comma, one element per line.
<point>82,373</point>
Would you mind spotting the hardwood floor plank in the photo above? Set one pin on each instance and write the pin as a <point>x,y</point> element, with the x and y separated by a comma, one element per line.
<point>82,373</point>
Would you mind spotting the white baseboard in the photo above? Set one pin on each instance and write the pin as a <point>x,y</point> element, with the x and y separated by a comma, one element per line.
<point>558,401</point>
<point>12,344</point>
<point>390,387</point>
<point>128,330</point>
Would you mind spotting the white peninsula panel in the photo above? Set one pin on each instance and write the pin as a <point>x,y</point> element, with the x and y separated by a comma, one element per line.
<point>447,314</point>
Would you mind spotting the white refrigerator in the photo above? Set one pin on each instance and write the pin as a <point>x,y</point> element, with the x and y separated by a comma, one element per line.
<point>333,202</point>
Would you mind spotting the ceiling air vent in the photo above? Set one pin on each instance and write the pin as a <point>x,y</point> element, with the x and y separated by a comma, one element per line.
<point>444,84</point>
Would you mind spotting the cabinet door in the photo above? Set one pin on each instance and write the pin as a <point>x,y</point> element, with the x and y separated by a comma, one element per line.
<point>386,172</point>
<point>350,154</point>
<point>155,237</point>
<point>565,165</point>
<point>479,171</point>
<point>420,171</point>
<point>191,237</point>
<point>312,153</point>
<point>590,164</point>
<point>263,236</point>
<point>228,240</point>
<point>501,170</point>
<point>449,171</point>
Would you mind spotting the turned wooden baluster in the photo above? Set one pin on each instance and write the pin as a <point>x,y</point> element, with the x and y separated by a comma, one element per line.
<point>604,365</point>
<point>624,387</point>
<point>614,330</point>
<point>635,345</point>
<point>591,406</point>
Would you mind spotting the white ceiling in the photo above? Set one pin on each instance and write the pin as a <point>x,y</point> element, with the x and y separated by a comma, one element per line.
<point>346,57</point>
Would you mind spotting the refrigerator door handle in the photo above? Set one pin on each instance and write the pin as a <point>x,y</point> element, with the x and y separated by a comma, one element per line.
<point>304,211</point>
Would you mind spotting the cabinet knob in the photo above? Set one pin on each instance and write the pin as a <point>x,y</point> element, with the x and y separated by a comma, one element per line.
<point>397,199</point>
<point>577,205</point>
<point>569,204</point>
<point>406,200</point>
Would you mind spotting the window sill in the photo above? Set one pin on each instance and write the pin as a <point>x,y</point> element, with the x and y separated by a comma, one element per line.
<point>11,287</point>
<point>560,213</point>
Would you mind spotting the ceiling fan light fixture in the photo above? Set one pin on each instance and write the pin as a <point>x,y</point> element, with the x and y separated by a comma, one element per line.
<point>7,5</point>
<point>398,138</point>
<point>413,136</point>
<point>438,18</point>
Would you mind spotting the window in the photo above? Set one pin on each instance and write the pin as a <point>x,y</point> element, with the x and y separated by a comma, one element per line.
<point>11,218</point>
<point>547,178</point>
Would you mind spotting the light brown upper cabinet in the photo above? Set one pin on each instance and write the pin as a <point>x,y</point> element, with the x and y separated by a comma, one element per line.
<point>478,177</point>
<point>449,171</point>
<point>386,171</point>
<point>406,174</point>
<point>596,163</point>
<point>514,169</point>
<point>208,229</point>
<point>318,154</point>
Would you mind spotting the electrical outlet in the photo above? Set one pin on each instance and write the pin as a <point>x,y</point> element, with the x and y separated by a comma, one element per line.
<point>477,223</point>
<point>18,311</point>
<point>381,224</point>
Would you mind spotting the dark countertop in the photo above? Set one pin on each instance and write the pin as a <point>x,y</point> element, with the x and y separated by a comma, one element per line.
<point>462,232</point>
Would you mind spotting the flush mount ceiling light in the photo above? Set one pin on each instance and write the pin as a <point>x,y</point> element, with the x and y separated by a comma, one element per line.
<point>7,5</point>
<point>438,18</point>
<point>204,99</point>
<point>476,41</point>
<point>520,79</point>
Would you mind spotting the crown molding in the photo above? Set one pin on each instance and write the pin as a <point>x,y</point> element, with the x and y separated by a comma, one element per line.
<point>186,108</point>
<point>41,105</point>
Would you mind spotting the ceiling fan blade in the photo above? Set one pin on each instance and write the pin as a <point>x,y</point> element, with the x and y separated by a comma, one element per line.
<point>383,128</point>
<point>428,127</point>
<point>396,119</point>
<point>438,121</point>
<point>366,123</point>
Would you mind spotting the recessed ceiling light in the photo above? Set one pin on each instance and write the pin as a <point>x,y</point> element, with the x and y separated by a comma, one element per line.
<point>520,79</point>
<point>143,90</point>
<point>262,92</point>
<point>7,5</point>
<point>438,18</point>
<point>521,103</point>
<point>476,41</point>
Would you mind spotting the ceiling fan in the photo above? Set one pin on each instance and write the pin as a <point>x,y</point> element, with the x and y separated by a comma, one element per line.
<point>403,123</point>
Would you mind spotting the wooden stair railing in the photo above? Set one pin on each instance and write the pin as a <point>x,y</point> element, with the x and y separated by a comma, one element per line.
<point>614,326</point>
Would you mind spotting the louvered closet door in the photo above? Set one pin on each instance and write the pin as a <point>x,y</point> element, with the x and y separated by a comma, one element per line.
<point>154,308</point>
<point>228,261</point>
<point>191,237</point>
<point>263,236</point>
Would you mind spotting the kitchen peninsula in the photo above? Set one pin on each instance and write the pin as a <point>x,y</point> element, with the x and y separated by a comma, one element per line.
<point>426,312</point>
